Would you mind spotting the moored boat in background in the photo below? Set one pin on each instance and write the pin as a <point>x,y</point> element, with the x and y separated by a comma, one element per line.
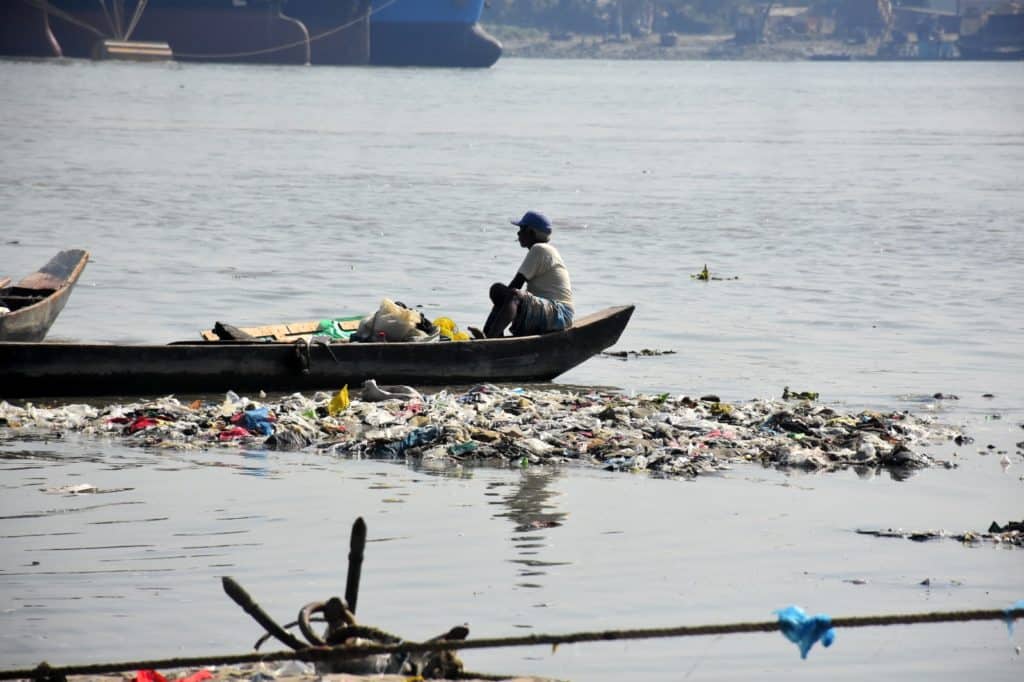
<point>430,33</point>
<point>331,32</point>
<point>29,308</point>
<point>323,32</point>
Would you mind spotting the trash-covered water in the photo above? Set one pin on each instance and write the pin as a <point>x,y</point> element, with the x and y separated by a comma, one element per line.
<point>870,213</point>
<point>489,424</point>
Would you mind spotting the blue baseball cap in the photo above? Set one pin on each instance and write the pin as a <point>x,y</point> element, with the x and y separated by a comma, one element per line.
<point>535,221</point>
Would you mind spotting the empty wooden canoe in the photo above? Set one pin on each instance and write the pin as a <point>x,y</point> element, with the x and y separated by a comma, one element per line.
<point>36,301</point>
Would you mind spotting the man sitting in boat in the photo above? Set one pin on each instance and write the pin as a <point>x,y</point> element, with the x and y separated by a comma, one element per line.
<point>546,304</point>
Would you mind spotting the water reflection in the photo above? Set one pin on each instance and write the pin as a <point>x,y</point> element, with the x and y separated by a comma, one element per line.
<point>254,463</point>
<point>532,507</point>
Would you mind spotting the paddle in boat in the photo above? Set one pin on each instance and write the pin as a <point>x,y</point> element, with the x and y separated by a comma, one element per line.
<point>213,366</point>
<point>28,308</point>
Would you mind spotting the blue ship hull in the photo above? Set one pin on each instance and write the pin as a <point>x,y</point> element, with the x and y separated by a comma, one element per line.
<point>250,31</point>
<point>430,33</point>
<point>334,32</point>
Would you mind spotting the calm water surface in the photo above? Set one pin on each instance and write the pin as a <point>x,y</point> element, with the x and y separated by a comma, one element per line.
<point>872,214</point>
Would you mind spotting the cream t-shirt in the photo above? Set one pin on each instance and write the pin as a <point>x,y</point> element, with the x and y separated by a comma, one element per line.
<point>546,274</point>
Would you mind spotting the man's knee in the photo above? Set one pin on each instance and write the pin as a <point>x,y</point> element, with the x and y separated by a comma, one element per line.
<point>500,293</point>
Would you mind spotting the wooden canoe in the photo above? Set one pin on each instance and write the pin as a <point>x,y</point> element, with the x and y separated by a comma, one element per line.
<point>57,369</point>
<point>36,301</point>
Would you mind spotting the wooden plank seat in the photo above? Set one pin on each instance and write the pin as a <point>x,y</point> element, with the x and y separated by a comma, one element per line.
<point>276,332</point>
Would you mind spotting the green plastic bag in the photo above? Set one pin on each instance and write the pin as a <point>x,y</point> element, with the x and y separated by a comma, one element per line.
<point>333,327</point>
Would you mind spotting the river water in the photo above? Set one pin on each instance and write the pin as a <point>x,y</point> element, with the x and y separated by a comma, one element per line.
<point>865,220</point>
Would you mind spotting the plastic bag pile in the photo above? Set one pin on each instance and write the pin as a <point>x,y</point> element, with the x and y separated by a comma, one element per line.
<point>394,321</point>
<point>675,436</point>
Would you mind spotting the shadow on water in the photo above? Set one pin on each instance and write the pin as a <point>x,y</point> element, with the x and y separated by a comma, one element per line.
<point>44,456</point>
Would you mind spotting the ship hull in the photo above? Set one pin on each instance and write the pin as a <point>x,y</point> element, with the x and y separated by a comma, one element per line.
<point>430,33</point>
<point>256,31</point>
<point>337,32</point>
<point>25,32</point>
<point>433,44</point>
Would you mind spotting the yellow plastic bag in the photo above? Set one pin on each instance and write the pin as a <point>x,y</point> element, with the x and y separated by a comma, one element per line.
<point>339,403</point>
<point>450,330</point>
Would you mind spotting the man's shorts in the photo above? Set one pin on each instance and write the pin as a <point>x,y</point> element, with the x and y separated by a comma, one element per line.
<point>536,315</point>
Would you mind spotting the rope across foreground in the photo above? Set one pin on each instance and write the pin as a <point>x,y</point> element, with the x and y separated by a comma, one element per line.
<point>312,654</point>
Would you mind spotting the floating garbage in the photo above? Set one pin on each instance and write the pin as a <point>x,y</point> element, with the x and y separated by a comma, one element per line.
<point>805,631</point>
<point>798,395</point>
<point>374,393</point>
<point>154,676</point>
<point>705,276</point>
<point>663,434</point>
<point>79,489</point>
<point>1009,535</point>
<point>642,353</point>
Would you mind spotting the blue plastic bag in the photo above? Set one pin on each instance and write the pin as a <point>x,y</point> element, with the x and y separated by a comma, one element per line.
<point>421,436</point>
<point>1010,617</point>
<point>258,420</point>
<point>804,630</point>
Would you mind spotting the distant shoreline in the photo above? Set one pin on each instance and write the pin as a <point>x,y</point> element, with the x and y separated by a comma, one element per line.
<point>535,45</point>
